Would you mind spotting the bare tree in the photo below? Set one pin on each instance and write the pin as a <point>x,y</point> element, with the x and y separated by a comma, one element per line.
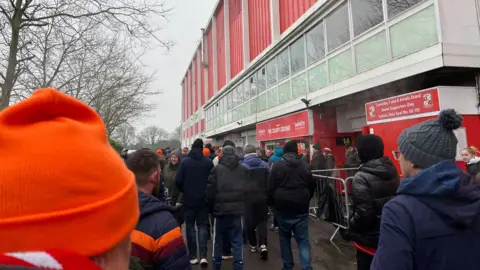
<point>125,134</point>
<point>19,18</point>
<point>151,135</point>
<point>176,134</point>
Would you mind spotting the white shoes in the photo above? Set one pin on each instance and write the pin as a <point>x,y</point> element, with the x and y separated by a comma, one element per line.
<point>263,252</point>
<point>194,261</point>
<point>203,263</point>
<point>253,249</point>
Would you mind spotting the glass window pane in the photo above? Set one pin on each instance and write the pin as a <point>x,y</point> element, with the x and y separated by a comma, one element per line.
<point>366,15</point>
<point>234,97</point>
<point>247,109</point>
<point>283,65</point>
<point>272,96</point>
<point>253,106</point>
<point>284,92</point>
<point>253,86</point>
<point>396,7</point>
<point>317,77</point>
<point>240,94</point>
<point>230,101</point>
<point>340,66</point>
<point>225,104</point>
<point>225,119</point>
<point>262,102</point>
<point>246,89</point>
<point>414,33</point>
<point>371,52</point>
<point>240,113</point>
<point>338,30</point>
<point>299,86</point>
<point>234,115</point>
<point>220,111</point>
<point>272,72</point>
<point>315,44</point>
<point>297,55</point>
<point>261,80</point>
<point>229,119</point>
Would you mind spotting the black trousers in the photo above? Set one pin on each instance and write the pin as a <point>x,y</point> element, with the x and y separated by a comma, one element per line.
<point>256,218</point>
<point>363,260</point>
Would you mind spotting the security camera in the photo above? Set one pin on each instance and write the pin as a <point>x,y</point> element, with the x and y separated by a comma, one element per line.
<point>307,102</point>
<point>239,123</point>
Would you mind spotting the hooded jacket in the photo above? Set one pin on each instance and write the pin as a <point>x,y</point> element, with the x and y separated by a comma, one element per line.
<point>432,224</point>
<point>169,175</point>
<point>192,178</point>
<point>473,167</point>
<point>257,179</point>
<point>157,241</point>
<point>226,187</point>
<point>277,155</point>
<point>373,186</point>
<point>290,186</point>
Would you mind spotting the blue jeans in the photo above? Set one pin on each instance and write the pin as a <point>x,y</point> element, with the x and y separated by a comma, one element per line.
<point>299,226</point>
<point>198,217</point>
<point>228,228</point>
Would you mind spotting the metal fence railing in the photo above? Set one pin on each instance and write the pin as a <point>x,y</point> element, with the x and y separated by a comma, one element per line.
<point>331,201</point>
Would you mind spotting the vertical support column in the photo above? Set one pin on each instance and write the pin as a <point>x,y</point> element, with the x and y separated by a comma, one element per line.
<point>199,90</point>
<point>214,57</point>
<point>275,20</point>
<point>245,34</point>
<point>194,95</point>
<point>226,10</point>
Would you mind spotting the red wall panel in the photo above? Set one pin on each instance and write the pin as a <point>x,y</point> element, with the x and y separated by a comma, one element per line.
<point>210,63</point>
<point>184,113</point>
<point>220,24</point>
<point>260,33</point>
<point>202,79</point>
<point>236,41</point>
<point>190,92</point>
<point>195,83</point>
<point>291,10</point>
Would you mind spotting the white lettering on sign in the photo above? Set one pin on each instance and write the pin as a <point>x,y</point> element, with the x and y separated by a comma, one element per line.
<point>299,124</point>
<point>279,129</point>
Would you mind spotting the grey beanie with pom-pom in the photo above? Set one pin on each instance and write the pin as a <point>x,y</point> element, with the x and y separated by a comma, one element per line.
<point>432,141</point>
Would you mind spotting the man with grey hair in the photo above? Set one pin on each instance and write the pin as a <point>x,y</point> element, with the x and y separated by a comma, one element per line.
<point>257,200</point>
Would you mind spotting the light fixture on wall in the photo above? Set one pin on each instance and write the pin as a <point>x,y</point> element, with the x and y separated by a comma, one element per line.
<point>307,102</point>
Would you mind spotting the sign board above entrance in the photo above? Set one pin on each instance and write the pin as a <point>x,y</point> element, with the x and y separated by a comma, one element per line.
<point>289,126</point>
<point>411,105</point>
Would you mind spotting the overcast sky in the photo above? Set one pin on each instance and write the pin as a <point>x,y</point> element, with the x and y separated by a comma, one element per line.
<point>185,21</point>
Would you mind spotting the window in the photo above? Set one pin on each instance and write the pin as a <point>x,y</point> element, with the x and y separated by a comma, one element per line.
<point>338,30</point>
<point>317,77</point>
<point>340,66</point>
<point>229,101</point>
<point>284,93</point>
<point>396,7</point>
<point>315,44</point>
<point>283,64</point>
<point>261,80</point>
<point>220,110</point>
<point>246,89</point>
<point>253,106</point>
<point>272,97</point>
<point>366,14</point>
<point>272,72</point>
<point>371,52</point>
<point>253,86</point>
<point>299,86</point>
<point>240,99</point>
<point>297,55</point>
<point>262,102</point>
<point>234,98</point>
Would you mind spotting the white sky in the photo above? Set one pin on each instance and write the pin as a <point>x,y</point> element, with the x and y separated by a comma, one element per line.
<point>185,22</point>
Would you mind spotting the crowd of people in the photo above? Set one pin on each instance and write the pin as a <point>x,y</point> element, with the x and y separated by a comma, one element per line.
<point>102,212</point>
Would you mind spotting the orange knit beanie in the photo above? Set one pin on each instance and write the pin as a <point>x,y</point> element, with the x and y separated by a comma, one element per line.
<point>62,184</point>
<point>206,152</point>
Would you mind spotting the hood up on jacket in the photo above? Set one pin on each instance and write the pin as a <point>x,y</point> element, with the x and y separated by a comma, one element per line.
<point>252,161</point>
<point>383,168</point>
<point>229,159</point>
<point>151,205</point>
<point>278,152</point>
<point>447,191</point>
<point>196,154</point>
<point>292,160</point>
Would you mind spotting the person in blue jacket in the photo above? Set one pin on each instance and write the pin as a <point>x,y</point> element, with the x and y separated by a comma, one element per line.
<point>277,155</point>
<point>191,179</point>
<point>434,221</point>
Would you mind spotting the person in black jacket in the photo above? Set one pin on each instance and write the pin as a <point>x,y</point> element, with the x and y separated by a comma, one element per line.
<point>192,181</point>
<point>226,193</point>
<point>290,188</point>
<point>373,185</point>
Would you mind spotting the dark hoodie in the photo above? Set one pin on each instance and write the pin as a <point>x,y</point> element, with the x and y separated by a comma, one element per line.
<point>192,178</point>
<point>433,223</point>
<point>158,230</point>
<point>290,186</point>
<point>226,188</point>
<point>372,187</point>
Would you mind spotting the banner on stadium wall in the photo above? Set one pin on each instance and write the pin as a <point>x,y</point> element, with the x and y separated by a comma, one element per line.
<point>412,105</point>
<point>289,126</point>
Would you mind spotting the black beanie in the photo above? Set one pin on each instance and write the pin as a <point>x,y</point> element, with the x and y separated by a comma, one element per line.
<point>290,147</point>
<point>229,143</point>
<point>198,143</point>
<point>369,147</point>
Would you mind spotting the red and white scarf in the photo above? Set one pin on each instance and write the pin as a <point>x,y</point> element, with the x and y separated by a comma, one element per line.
<point>49,260</point>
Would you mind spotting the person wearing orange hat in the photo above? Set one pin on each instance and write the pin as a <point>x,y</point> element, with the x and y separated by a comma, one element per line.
<point>157,241</point>
<point>206,152</point>
<point>54,213</point>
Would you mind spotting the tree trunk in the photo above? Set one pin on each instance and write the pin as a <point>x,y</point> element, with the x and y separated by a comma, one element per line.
<point>12,57</point>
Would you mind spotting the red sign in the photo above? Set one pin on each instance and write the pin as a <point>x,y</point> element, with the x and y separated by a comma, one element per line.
<point>408,105</point>
<point>293,125</point>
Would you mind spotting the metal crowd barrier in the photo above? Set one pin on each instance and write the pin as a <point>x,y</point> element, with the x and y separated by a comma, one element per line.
<point>333,187</point>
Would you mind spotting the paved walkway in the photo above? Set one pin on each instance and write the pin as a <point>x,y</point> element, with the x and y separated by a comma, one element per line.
<point>325,256</point>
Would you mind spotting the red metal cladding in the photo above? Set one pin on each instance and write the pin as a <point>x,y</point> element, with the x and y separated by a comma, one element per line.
<point>195,84</point>
<point>220,24</point>
<point>190,92</point>
<point>202,78</point>
<point>236,41</point>
<point>184,113</point>
<point>291,10</point>
<point>210,63</point>
<point>259,26</point>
